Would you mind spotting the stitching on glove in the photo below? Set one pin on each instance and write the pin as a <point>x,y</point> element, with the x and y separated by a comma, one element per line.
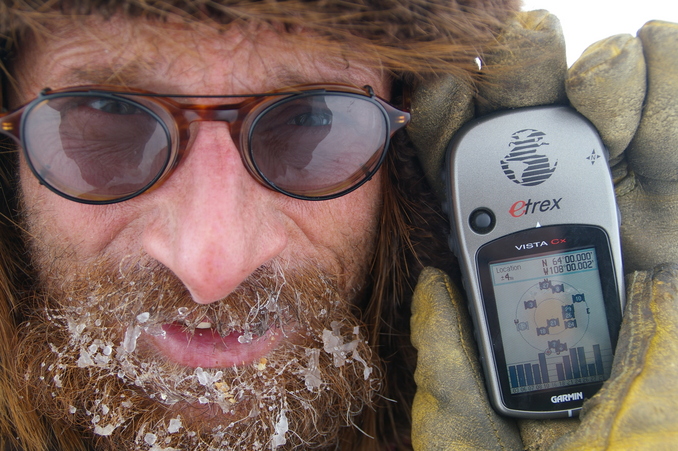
<point>635,353</point>
<point>626,184</point>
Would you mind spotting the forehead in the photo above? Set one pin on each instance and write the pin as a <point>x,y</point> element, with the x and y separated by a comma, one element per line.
<point>172,57</point>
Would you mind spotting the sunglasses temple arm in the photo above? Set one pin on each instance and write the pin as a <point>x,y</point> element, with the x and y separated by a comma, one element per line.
<point>10,125</point>
<point>398,119</point>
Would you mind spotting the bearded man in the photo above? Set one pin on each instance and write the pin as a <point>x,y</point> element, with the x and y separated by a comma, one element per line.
<point>216,218</point>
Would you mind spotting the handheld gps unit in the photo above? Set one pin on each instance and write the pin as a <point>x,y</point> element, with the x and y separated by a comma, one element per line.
<point>535,226</point>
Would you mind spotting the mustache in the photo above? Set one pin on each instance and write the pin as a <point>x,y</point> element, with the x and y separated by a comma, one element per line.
<point>146,292</point>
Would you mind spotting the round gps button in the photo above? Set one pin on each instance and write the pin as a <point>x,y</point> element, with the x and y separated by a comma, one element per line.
<point>482,220</point>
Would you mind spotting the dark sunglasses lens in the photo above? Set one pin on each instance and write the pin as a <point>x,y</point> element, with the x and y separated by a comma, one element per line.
<point>319,145</point>
<point>95,148</point>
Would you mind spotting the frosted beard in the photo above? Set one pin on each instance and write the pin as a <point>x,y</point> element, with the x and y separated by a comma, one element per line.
<point>90,362</point>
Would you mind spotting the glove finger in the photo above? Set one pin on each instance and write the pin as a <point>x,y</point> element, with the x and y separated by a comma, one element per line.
<point>638,406</point>
<point>450,408</point>
<point>653,153</point>
<point>607,85</point>
<point>648,228</point>
<point>526,68</point>
<point>439,108</point>
<point>528,65</point>
<point>646,194</point>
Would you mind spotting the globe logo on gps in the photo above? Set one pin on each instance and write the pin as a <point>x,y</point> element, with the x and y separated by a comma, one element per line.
<point>526,163</point>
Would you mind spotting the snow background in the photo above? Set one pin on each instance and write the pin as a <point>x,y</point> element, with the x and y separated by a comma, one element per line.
<point>587,21</point>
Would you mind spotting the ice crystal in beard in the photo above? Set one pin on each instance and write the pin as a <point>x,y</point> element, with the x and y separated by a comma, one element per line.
<point>97,374</point>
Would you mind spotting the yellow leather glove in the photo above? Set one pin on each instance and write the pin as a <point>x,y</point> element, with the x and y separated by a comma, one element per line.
<point>450,411</point>
<point>607,85</point>
<point>628,88</point>
<point>637,409</point>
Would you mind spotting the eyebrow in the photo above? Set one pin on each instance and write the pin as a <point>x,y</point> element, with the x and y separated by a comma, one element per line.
<point>129,74</point>
<point>287,78</point>
<point>134,74</point>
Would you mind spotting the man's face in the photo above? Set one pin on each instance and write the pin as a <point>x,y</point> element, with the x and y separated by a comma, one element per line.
<point>210,311</point>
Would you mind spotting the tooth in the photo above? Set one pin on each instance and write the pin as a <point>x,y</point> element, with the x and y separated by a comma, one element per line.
<point>204,325</point>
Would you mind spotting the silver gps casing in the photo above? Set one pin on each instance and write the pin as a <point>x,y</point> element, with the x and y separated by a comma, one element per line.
<point>540,156</point>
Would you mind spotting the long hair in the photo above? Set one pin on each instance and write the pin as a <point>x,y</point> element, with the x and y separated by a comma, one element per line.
<point>412,40</point>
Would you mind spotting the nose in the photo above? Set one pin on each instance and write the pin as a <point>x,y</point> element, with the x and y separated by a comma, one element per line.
<point>212,223</point>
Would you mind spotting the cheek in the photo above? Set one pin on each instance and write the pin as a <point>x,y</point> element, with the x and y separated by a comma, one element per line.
<point>56,224</point>
<point>344,231</point>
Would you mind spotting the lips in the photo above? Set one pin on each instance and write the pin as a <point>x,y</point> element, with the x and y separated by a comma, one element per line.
<point>206,348</point>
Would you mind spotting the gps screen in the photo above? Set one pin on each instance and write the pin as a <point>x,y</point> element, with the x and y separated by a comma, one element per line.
<point>552,320</point>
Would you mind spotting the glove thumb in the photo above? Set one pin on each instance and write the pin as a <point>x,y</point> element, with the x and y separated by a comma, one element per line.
<point>450,408</point>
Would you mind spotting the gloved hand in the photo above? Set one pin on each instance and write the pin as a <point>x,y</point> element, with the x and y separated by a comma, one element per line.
<point>628,88</point>
<point>636,409</point>
<point>607,86</point>
<point>450,408</point>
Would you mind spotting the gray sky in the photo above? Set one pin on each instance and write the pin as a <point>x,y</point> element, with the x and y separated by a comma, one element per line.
<point>587,21</point>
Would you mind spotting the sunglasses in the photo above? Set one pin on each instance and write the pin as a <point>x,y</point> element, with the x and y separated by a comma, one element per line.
<point>101,145</point>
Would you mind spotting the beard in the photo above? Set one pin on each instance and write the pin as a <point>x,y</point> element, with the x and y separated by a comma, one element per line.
<point>91,365</point>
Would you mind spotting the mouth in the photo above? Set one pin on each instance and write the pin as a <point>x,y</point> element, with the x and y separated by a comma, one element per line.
<point>206,347</point>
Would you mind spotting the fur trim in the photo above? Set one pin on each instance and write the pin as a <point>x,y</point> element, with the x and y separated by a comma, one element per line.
<point>417,36</point>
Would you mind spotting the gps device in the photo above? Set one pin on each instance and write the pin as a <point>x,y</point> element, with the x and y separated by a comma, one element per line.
<point>535,226</point>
